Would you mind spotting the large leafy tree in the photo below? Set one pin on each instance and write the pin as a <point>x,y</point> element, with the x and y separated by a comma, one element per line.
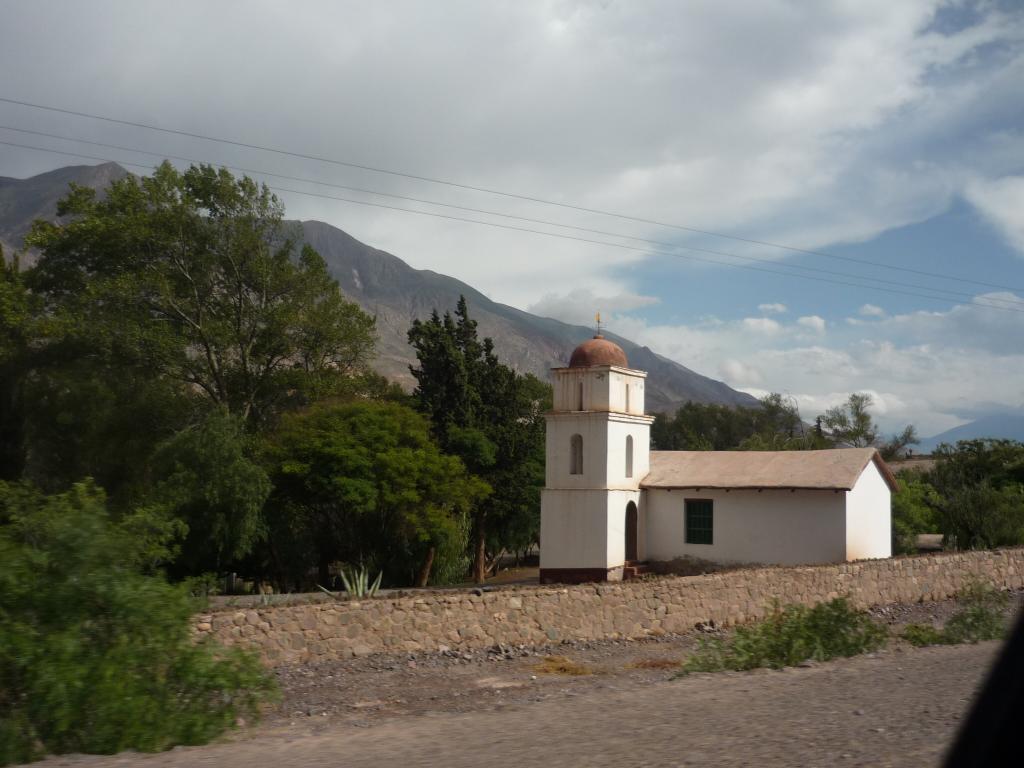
<point>195,276</point>
<point>491,417</point>
<point>364,483</point>
<point>210,481</point>
<point>980,488</point>
<point>16,335</point>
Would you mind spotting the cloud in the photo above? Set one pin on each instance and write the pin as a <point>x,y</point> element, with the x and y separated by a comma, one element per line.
<point>814,322</point>
<point>875,116</point>
<point>924,368</point>
<point>763,325</point>
<point>830,136</point>
<point>580,306</point>
<point>871,310</point>
<point>1001,202</point>
<point>739,374</point>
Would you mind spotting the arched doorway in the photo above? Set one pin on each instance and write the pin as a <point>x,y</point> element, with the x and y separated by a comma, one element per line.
<point>631,533</point>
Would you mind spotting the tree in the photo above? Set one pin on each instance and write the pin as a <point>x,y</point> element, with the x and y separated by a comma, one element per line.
<point>897,445</point>
<point>851,423</point>
<point>774,425</point>
<point>491,417</point>
<point>209,481</point>
<point>913,512</point>
<point>194,276</point>
<point>16,336</point>
<point>365,483</point>
<point>980,487</point>
<point>96,650</point>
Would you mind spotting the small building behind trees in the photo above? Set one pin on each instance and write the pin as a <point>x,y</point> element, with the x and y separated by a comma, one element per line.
<point>610,503</point>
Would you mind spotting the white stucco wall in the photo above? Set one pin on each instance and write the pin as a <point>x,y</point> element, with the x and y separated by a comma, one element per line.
<point>604,450</point>
<point>869,517</point>
<point>604,389</point>
<point>593,428</point>
<point>585,529</point>
<point>616,539</point>
<point>771,527</point>
<point>615,466</point>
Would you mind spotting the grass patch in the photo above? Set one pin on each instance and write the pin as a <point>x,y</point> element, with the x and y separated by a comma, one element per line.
<point>982,616</point>
<point>921,635</point>
<point>654,664</point>
<point>789,636</point>
<point>560,665</point>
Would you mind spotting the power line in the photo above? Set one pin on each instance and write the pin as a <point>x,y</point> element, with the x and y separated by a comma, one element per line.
<point>502,193</point>
<point>942,299</point>
<point>957,295</point>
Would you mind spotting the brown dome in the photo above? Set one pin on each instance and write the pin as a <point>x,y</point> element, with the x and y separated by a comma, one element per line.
<point>598,351</point>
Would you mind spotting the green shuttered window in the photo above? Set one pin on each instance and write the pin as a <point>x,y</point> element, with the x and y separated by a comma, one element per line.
<point>700,521</point>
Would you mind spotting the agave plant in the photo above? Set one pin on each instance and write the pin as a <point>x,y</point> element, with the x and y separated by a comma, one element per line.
<point>357,582</point>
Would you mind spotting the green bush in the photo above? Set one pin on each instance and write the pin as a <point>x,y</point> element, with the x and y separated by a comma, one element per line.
<point>913,512</point>
<point>96,654</point>
<point>789,636</point>
<point>924,634</point>
<point>982,616</point>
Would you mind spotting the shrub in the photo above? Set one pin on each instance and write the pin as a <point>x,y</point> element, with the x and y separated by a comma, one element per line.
<point>96,655</point>
<point>924,634</point>
<point>789,636</point>
<point>982,616</point>
<point>913,512</point>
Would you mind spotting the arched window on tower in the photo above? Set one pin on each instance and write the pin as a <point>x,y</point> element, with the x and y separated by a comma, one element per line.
<point>629,455</point>
<point>579,399</point>
<point>576,455</point>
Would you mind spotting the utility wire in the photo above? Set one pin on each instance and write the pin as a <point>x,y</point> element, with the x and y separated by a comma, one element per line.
<point>942,299</point>
<point>956,294</point>
<point>487,190</point>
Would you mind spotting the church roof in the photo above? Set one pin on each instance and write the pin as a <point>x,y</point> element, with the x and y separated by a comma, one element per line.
<point>598,351</point>
<point>834,469</point>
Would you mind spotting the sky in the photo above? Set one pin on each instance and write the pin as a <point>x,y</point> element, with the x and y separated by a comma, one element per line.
<point>886,138</point>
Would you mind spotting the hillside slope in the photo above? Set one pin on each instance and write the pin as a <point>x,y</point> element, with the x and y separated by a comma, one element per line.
<point>1008,425</point>
<point>24,200</point>
<point>396,294</point>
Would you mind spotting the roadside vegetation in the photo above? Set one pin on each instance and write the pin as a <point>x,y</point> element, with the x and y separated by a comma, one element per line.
<point>96,652</point>
<point>789,636</point>
<point>795,634</point>
<point>981,616</point>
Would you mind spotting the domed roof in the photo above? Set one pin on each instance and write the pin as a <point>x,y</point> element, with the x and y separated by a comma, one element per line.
<point>598,351</point>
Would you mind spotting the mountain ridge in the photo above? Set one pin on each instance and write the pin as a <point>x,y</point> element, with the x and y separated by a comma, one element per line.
<point>1002,425</point>
<point>396,293</point>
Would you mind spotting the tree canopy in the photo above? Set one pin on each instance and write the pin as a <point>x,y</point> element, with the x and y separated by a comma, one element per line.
<point>194,276</point>
<point>364,483</point>
<point>492,418</point>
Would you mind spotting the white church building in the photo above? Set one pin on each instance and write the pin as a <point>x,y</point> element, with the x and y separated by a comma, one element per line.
<point>610,503</point>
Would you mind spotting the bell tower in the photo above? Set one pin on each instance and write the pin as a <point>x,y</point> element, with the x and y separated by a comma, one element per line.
<point>597,452</point>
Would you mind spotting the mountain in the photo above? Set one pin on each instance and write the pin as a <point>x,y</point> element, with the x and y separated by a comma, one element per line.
<point>1008,425</point>
<point>387,287</point>
<point>24,200</point>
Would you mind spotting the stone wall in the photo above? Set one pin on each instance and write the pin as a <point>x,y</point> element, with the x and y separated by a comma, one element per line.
<point>437,621</point>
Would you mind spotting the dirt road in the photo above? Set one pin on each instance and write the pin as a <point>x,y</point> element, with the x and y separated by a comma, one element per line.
<point>900,707</point>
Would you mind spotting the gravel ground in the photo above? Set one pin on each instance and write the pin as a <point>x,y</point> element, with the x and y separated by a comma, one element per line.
<point>896,707</point>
